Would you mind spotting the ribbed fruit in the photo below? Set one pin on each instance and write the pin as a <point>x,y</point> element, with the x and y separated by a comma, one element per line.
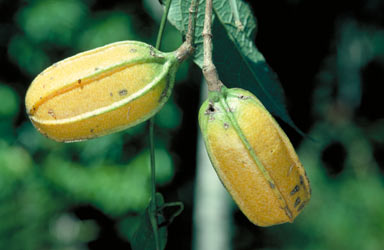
<point>253,158</point>
<point>101,91</point>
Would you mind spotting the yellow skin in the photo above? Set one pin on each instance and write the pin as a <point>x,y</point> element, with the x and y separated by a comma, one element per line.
<point>100,91</point>
<point>254,158</point>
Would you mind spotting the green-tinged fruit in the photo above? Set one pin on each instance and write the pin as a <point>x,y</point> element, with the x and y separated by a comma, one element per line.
<point>101,91</point>
<point>254,158</point>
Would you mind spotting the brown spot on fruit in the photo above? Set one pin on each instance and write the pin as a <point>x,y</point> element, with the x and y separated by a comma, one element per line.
<point>243,97</point>
<point>297,202</point>
<point>301,207</point>
<point>52,113</point>
<point>288,212</point>
<point>211,109</point>
<point>303,184</point>
<point>123,92</point>
<point>295,190</point>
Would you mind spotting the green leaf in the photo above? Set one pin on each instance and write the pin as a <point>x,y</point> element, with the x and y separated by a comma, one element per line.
<point>238,61</point>
<point>143,238</point>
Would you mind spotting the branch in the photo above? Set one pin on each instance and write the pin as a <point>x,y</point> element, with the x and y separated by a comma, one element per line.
<point>209,69</point>
<point>187,49</point>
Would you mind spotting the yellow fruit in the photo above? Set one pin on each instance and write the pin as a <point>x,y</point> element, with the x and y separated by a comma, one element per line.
<point>253,158</point>
<point>101,91</point>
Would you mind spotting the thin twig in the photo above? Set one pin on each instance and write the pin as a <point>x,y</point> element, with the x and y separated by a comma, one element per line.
<point>162,24</point>
<point>152,204</point>
<point>209,69</point>
<point>187,49</point>
<point>189,37</point>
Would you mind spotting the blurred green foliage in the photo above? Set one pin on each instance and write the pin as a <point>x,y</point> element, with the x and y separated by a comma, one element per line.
<point>42,182</point>
<point>52,21</point>
<point>11,102</point>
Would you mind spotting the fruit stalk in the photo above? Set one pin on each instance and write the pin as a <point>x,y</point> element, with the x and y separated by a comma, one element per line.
<point>209,69</point>
<point>187,49</point>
